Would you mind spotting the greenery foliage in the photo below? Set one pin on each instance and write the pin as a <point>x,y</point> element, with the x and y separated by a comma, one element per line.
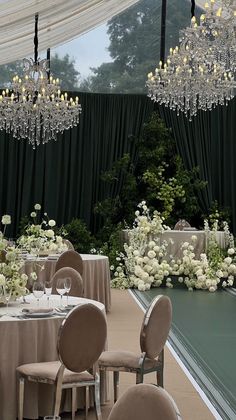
<point>157,175</point>
<point>79,235</point>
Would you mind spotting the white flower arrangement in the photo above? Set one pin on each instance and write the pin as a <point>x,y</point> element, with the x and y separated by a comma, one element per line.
<point>11,277</point>
<point>41,238</point>
<point>145,262</point>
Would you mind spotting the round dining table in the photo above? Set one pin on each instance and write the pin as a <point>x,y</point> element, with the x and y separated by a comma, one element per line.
<point>30,338</point>
<point>96,274</point>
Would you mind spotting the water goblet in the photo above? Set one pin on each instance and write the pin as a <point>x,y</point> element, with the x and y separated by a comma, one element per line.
<point>60,289</point>
<point>67,285</point>
<point>7,294</point>
<point>48,290</point>
<point>38,290</point>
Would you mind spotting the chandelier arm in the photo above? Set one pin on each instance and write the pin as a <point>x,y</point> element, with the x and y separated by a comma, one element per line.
<point>192,8</point>
<point>36,38</point>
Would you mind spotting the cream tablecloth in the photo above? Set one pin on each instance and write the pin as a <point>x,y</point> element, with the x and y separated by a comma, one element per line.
<point>27,341</point>
<point>96,275</point>
<point>179,237</point>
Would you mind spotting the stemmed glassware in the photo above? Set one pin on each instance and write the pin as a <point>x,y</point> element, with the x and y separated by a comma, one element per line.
<point>61,288</point>
<point>7,294</point>
<point>38,290</point>
<point>67,285</point>
<point>48,290</point>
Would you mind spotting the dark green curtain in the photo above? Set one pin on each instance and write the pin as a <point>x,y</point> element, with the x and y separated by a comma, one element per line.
<point>64,176</point>
<point>209,142</point>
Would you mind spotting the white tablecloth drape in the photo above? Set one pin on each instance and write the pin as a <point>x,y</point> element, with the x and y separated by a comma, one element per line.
<point>28,341</point>
<point>96,275</point>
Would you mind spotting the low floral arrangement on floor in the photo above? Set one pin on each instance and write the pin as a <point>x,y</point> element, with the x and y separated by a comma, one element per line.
<point>146,262</point>
<point>39,238</point>
<point>11,278</point>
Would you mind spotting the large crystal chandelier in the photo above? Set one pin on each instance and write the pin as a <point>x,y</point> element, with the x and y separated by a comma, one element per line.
<point>34,107</point>
<point>200,72</point>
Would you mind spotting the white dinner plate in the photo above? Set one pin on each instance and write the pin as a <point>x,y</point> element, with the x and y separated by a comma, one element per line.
<point>38,314</point>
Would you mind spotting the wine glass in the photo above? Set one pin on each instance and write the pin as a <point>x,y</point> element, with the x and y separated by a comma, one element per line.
<point>67,285</point>
<point>7,294</point>
<point>48,290</point>
<point>61,288</point>
<point>38,290</point>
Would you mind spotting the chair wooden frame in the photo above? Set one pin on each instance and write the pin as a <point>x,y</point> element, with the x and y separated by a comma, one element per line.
<point>141,370</point>
<point>59,385</point>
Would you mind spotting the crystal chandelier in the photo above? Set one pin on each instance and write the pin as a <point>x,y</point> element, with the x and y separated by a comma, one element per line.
<point>34,108</point>
<point>200,72</point>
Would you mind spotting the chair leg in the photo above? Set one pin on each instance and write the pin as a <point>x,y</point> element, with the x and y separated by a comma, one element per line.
<point>159,375</point>
<point>73,399</point>
<point>116,385</point>
<point>86,401</point>
<point>139,378</point>
<point>57,400</point>
<point>97,398</point>
<point>21,398</point>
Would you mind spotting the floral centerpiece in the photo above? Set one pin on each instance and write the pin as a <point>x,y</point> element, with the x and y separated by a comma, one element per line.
<point>40,238</point>
<point>146,263</point>
<point>11,278</point>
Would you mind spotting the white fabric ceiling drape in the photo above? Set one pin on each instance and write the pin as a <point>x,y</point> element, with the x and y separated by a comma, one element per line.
<point>59,21</point>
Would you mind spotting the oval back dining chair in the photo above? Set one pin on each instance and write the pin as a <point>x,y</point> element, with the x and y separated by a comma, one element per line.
<point>70,246</point>
<point>153,335</point>
<point>70,259</point>
<point>76,280</point>
<point>81,340</point>
<point>145,401</point>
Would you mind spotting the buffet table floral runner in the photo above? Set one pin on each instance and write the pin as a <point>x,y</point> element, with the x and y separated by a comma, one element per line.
<point>144,262</point>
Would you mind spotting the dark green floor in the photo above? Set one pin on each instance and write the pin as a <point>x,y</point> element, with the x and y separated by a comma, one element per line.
<point>204,335</point>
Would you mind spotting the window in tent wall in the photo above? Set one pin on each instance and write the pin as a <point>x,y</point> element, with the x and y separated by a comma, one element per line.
<point>116,56</point>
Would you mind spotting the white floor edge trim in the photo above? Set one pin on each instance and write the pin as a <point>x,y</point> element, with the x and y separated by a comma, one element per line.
<point>186,371</point>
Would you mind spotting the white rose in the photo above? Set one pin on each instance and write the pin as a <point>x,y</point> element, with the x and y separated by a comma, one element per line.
<point>37,207</point>
<point>136,253</point>
<point>224,284</point>
<point>49,233</point>
<point>6,219</point>
<point>2,280</point>
<point>156,248</point>
<point>231,251</point>
<point>212,289</point>
<point>33,214</point>
<point>151,254</point>
<point>151,244</point>
<point>228,260</point>
<point>51,223</point>
<point>137,213</point>
<point>194,238</point>
<point>219,273</point>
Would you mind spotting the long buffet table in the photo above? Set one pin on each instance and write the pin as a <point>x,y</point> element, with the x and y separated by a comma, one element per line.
<point>176,238</point>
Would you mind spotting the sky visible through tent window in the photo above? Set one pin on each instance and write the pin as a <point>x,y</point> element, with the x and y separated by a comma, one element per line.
<point>115,57</point>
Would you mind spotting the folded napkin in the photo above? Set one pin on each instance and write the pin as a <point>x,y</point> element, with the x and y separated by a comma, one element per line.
<point>37,310</point>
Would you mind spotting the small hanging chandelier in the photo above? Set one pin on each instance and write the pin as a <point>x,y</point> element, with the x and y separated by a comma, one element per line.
<point>34,107</point>
<point>200,72</point>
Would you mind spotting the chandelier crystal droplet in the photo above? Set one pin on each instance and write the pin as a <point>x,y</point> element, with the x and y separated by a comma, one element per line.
<point>34,108</point>
<point>200,72</point>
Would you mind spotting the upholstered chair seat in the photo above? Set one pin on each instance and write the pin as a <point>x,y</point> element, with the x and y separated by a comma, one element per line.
<point>153,335</point>
<point>47,372</point>
<point>125,359</point>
